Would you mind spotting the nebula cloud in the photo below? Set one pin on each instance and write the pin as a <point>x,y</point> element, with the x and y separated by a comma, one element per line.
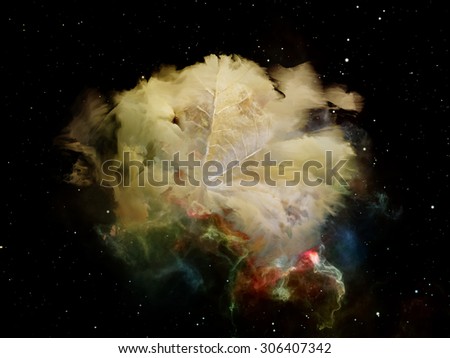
<point>233,159</point>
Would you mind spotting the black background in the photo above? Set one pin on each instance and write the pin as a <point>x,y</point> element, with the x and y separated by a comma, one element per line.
<point>56,278</point>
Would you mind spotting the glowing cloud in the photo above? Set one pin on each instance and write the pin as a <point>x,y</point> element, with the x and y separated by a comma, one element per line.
<point>262,180</point>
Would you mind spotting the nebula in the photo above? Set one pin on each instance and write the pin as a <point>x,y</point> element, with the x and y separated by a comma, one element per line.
<point>229,159</point>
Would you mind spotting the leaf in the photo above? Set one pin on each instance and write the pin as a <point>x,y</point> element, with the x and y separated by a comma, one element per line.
<point>229,123</point>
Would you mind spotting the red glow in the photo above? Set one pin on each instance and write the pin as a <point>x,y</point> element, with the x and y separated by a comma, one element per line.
<point>314,257</point>
<point>307,259</point>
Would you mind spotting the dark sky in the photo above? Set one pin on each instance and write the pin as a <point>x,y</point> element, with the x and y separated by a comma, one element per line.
<point>56,279</point>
